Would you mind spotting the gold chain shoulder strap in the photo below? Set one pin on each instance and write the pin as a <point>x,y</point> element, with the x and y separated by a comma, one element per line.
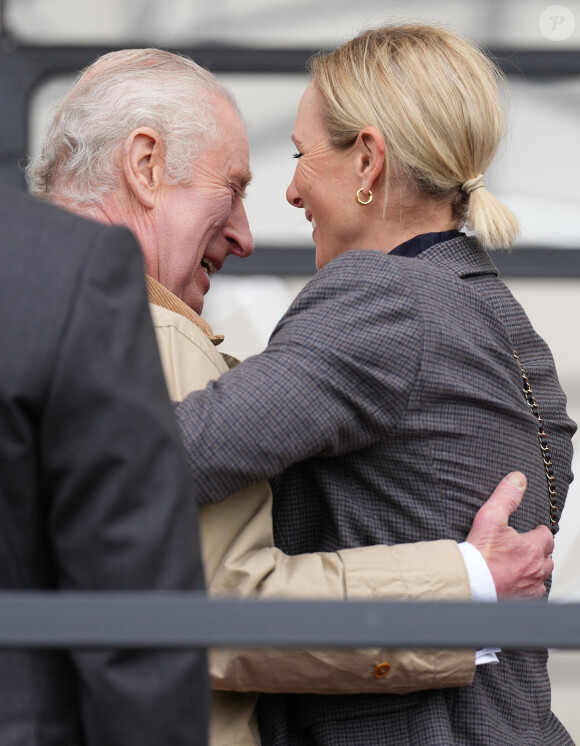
<point>544,447</point>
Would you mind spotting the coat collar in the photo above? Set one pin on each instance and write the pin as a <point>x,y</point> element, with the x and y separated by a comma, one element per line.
<point>464,256</point>
<point>161,296</point>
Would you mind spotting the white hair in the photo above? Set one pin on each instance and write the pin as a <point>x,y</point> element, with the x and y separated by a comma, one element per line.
<point>117,94</point>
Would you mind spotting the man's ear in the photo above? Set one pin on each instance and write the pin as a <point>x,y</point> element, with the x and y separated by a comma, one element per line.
<point>371,150</point>
<point>143,162</point>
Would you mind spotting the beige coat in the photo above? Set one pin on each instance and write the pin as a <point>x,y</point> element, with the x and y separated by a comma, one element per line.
<point>240,559</point>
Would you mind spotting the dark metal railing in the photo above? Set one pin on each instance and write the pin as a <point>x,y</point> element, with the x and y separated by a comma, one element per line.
<point>524,261</point>
<point>177,620</point>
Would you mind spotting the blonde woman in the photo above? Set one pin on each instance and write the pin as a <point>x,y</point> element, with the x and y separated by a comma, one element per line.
<point>399,370</point>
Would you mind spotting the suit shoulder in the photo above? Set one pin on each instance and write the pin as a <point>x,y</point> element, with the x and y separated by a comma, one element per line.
<point>48,255</point>
<point>18,207</point>
<point>34,225</point>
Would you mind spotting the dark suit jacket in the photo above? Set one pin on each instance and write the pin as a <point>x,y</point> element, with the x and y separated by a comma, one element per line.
<point>390,394</point>
<point>94,492</point>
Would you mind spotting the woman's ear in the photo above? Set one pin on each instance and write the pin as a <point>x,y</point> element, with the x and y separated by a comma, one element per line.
<point>371,150</point>
<point>143,163</point>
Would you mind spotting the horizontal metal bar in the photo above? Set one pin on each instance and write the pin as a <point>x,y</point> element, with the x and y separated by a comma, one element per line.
<point>226,58</point>
<point>300,261</point>
<point>177,620</point>
<point>538,262</point>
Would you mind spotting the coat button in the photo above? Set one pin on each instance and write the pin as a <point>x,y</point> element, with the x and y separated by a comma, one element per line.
<point>382,670</point>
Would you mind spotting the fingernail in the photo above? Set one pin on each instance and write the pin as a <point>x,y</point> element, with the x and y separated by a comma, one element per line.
<point>517,479</point>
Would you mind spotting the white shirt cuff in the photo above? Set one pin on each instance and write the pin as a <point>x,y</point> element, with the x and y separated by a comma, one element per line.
<point>482,589</point>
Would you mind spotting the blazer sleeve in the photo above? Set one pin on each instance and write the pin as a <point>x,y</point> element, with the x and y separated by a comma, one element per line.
<point>313,391</point>
<point>118,502</point>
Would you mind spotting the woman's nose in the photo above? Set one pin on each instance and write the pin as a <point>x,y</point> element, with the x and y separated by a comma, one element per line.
<point>292,195</point>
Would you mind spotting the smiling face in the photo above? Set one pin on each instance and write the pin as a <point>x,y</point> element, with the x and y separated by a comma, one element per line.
<point>195,227</point>
<point>325,183</point>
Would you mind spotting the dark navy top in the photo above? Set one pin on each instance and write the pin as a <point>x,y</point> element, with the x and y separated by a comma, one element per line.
<point>414,246</point>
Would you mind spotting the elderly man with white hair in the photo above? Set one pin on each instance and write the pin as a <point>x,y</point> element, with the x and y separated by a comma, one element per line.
<point>150,140</point>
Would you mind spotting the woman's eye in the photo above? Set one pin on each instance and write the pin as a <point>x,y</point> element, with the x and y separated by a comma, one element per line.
<point>297,155</point>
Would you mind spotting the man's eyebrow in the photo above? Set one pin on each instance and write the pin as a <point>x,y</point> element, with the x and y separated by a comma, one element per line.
<point>246,178</point>
<point>242,176</point>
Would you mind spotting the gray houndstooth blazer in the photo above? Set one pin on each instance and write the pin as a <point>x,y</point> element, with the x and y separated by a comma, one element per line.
<point>390,402</point>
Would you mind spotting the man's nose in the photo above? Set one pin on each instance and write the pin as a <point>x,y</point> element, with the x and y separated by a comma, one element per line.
<point>238,233</point>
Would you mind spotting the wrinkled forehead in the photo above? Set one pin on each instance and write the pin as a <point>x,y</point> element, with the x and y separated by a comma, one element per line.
<point>229,117</point>
<point>310,115</point>
<point>232,149</point>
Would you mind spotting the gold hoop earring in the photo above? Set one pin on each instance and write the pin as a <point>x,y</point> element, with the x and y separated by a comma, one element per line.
<point>360,201</point>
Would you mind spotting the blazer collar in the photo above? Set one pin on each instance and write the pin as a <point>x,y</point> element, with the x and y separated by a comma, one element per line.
<point>161,296</point>
<point>463,255</point>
